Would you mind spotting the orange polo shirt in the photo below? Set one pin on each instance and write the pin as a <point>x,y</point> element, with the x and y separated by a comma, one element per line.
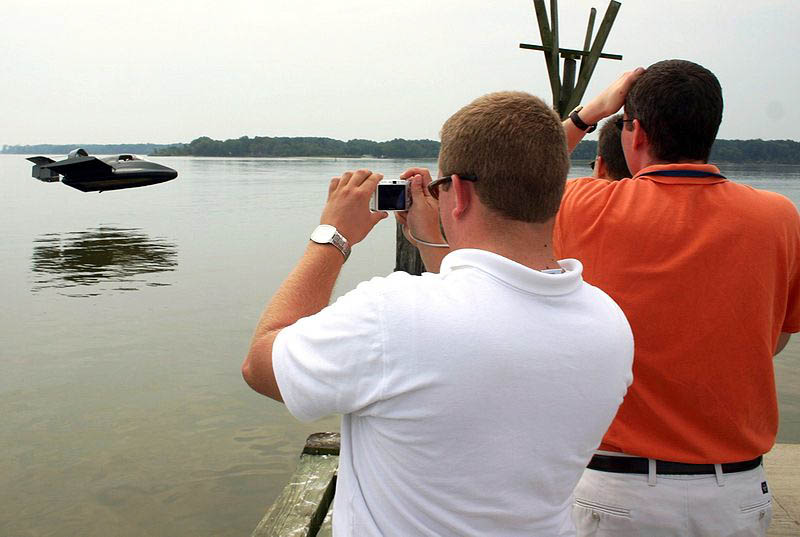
<point>707,272</point>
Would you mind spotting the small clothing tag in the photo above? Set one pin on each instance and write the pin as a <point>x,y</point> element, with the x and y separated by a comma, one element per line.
<point>764,488</point>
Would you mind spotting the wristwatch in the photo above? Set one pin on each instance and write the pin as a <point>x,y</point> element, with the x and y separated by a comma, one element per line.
<point>325,234</point>
<point>578,122</point>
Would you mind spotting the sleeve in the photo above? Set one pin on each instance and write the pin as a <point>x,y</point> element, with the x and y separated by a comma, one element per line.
<point>332,362</point>
<point>791,322</point>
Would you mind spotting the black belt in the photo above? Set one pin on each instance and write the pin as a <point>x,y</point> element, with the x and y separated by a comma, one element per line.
<point>639,465</point>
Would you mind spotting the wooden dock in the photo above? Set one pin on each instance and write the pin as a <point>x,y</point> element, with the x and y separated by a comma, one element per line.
<point>303,509</point>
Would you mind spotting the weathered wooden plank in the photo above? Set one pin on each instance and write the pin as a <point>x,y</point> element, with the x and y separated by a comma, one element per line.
<point>588,63</point>
<point>302,506</point>
<point>570,51</point>
<point>553,66</point>
<point>782,465</point>
<point>407,257</point>
<point>327,525</point>
<point>322,444</point>
<point>546,35</point>
<point>587,42</point>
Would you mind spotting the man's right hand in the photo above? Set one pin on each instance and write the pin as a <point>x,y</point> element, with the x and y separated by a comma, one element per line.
<point>611,99</point>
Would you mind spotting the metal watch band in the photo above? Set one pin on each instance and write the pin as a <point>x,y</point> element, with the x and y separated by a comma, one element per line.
<point>341,243</point>
<point>326,234</point>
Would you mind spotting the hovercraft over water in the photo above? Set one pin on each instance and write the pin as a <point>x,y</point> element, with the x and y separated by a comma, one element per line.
<point>96,174</point>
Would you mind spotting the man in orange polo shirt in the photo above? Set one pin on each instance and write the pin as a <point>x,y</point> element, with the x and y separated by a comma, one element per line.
<point>708,273</point>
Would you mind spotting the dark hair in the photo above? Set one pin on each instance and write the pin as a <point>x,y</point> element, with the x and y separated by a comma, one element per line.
<point>609,147</point>
<point>515,144</point>
<point>679,105</point>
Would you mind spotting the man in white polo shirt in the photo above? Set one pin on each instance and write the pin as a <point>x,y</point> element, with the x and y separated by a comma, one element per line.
<point>473,396</point>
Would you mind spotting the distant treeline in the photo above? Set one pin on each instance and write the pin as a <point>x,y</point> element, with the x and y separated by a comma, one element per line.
<point>92,149</point>
<point>740,151</point>
<point>265,146</point>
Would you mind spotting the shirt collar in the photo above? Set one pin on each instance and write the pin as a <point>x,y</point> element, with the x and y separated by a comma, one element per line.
<point>515,274</point>
<point>702,168</point>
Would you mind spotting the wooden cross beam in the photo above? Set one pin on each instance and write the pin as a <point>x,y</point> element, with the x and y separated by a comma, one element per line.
<point>567,93</point>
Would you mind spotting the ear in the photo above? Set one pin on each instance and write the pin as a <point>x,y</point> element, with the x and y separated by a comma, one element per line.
<point>599,171</point>
<point>463,193</point>
<point>640,139</point>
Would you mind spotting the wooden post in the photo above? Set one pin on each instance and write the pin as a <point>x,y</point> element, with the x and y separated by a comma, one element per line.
<point>568,85</point>
<point>547,43</point>
<point>588,63</point>
<point>407,257</point>
<point>554,56</point>
<point>566,96</point>
<point>587,42</point>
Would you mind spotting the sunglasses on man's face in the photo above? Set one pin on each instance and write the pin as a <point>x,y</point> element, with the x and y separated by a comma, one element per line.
<point>620,123</point>
<point>433,187</point>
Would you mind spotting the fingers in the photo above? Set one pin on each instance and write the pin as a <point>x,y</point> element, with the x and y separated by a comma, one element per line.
<point>332,186</point>
<point>631,77</point>
<point>417,189</point>
<point>360,177</point>
<point>345,178</point>
<point>424,172</point>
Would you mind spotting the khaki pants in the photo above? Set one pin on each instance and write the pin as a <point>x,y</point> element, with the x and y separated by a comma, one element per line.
<point>731,505</point>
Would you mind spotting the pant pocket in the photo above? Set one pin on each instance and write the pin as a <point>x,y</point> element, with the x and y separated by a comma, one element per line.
<point>757,515</point>
<point>594,519</point>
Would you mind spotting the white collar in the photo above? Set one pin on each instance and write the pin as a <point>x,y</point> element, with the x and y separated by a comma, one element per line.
<point>516,274</point>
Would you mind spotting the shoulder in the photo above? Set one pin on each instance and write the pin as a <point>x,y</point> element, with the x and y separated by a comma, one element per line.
<point>589,189</point>
<point>765,203</point>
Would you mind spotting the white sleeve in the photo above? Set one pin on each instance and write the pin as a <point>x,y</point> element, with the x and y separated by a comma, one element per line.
<point>333,362</point>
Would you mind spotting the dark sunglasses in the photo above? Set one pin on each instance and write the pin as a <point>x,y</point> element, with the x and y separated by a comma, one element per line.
<point>591,164</point>
<point>433,187</point>
<point>621,122</point>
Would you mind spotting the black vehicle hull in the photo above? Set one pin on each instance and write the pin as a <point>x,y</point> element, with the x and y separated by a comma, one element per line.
<point>92,174</point>
<point>121,179</point>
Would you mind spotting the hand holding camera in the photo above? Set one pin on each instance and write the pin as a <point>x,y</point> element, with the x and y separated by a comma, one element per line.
<point>347,208</point>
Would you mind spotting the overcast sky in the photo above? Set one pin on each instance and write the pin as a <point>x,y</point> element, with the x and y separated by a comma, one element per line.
<point>86,71</point>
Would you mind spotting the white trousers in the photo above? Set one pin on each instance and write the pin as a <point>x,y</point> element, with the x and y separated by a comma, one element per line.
<point>731,505</point>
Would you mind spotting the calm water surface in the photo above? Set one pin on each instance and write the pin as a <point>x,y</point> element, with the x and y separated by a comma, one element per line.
<point>126,316</point>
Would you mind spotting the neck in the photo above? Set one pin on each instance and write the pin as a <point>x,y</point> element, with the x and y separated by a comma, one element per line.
<point>652,161</point>
<point>525,243</point>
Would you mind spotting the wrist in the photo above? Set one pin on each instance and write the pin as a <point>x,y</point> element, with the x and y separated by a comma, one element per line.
<point>591,114</point>
<point>327,235</point>
<point>577,117</point>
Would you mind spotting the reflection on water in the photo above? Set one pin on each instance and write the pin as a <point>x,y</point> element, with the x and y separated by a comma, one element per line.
<point>95,261</point>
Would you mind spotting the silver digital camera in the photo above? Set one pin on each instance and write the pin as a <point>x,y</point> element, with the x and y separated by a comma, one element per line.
<point>391,195</point>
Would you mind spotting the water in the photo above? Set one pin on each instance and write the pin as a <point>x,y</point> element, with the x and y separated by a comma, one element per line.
<point>126,316</point>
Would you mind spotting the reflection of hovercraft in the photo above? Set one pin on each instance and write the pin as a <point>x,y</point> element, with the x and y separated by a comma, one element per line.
<point>90,174</point>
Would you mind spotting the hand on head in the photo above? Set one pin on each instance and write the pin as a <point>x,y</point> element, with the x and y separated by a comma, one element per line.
<point>347,208</point>
<point>610,100</point>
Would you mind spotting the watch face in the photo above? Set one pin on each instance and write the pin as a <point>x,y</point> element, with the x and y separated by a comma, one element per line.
<point>323,234</point>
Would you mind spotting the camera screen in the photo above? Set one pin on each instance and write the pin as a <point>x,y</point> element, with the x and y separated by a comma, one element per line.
<point>392,197</point>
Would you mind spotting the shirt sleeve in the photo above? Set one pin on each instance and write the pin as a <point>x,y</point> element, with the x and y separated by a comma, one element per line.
<point>791,323</point>
<point>332,362</point>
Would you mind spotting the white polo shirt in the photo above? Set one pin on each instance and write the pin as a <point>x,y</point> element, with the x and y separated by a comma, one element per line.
<point>472,399</point>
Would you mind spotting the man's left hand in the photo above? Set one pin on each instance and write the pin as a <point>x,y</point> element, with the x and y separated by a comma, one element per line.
<point>347,208</point>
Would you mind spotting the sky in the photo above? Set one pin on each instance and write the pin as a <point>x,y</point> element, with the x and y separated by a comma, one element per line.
<point>165,71</point>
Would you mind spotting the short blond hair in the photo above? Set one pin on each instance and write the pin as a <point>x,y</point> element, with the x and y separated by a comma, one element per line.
<point>515,145</point>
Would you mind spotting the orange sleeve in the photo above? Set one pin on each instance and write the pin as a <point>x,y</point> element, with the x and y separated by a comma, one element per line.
<point>791,322</point>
